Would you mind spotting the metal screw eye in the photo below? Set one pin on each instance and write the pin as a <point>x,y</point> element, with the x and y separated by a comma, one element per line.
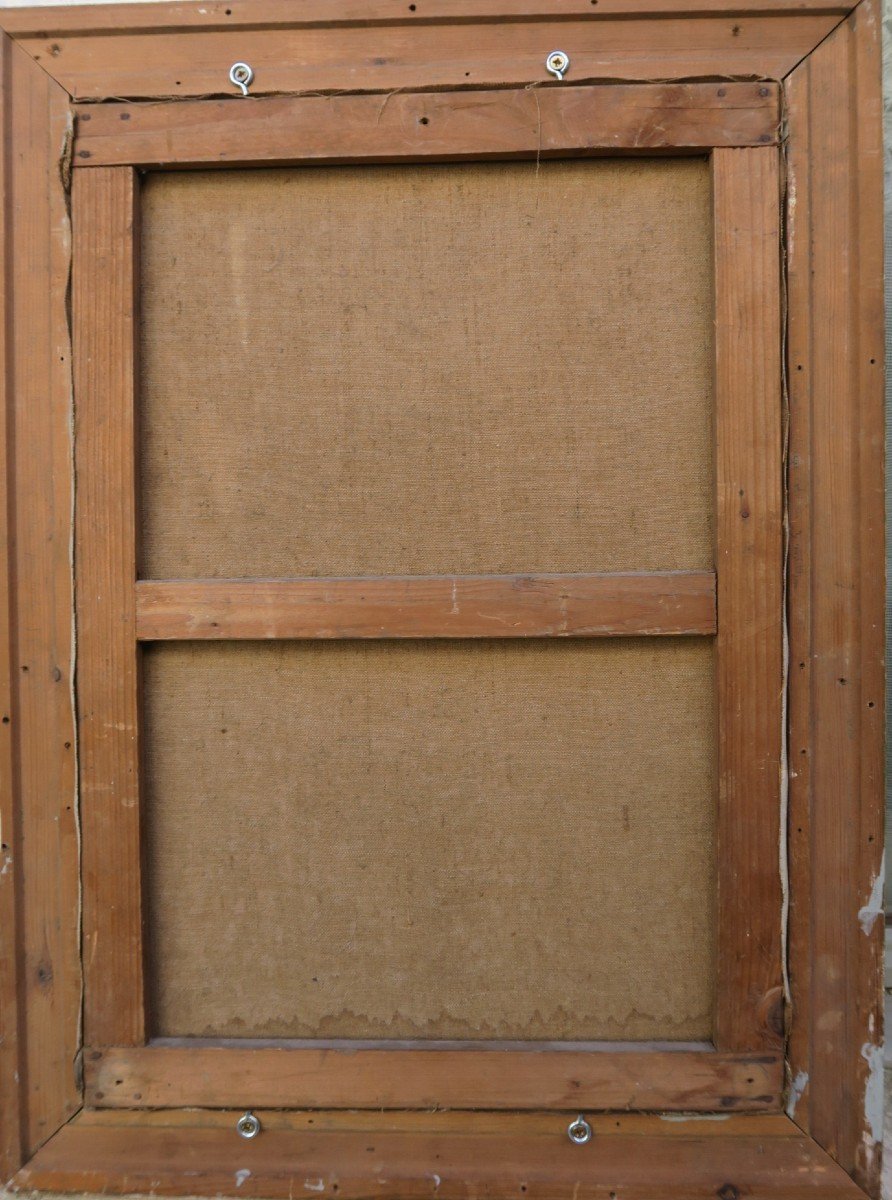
<point>579,1131</point>
<point>248,1126</point>
<point>241,75</point>
<point>557,63</point>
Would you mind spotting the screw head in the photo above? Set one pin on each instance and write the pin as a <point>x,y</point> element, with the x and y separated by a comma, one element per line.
<point>579,1131</point>
<point>248,1126</point>
<point>241,75</point>
<point>557,63</point>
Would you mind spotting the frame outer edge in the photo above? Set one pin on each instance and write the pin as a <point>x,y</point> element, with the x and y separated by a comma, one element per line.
<point>40,1007</point>
<point>11,1066</point>
<point>61,19</point>
<point>854,1147</point>
<point>835,360</point>
<point>32,26</point>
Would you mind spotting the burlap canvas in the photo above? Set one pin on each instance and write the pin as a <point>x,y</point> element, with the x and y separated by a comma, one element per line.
<point>427,369</point>
<point>460,840</point>
<point>419,369</point>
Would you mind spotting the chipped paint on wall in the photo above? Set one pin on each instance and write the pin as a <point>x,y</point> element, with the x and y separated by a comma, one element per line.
<point>797,1089</point>
<point>874,908</point>
<point>873,1100</point>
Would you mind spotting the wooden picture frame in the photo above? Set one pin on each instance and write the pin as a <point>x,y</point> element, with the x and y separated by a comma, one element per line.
<point>784,97</point>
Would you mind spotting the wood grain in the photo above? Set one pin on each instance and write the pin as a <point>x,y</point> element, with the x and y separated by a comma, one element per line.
<point>477,1077</point>
<point>502,124</point>
<point>226,15</point>
<point>428,606</point>
<point>836,594</point>
<point>104,308</point>
<point>451,1155</point>
<point>173,61</point>
<point>835,602</point>
<point>12,1069</point>
<point>750,588</point>
<point>39,803</point>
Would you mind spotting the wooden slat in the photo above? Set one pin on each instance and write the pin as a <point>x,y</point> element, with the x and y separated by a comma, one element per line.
<point>39,857</point>
<point>104,317</point>
<point>750,589</point>
<point>836,594</point>
<point>450,1155</point>
<point>226,1077</point>
<point>428,606</point>
<point>284,14</point>
<point>502,124</point>
<point>425,54</point>
<point>11,1043</point>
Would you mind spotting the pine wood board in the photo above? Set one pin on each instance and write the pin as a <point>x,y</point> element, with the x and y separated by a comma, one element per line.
<point>235,14</point>
<point>448,1155</point>
<point>192,61</point>
<point>103,305</point>
<point>40,1016</point>
<point>836,594</point>
<point>639,118</point>
<point>750,587</point>
<point>624,1079</point>
<point>435,606</point>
